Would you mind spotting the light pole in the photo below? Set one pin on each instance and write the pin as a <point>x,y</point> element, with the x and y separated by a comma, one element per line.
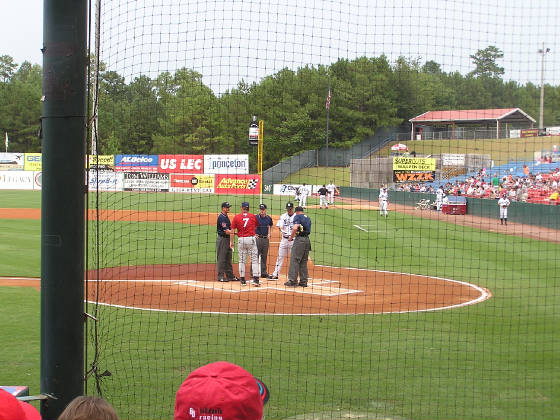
<point>541,116</point>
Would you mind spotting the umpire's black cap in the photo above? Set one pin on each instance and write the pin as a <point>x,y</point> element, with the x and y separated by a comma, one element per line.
<point>299,208</point>
<point>289,205</point>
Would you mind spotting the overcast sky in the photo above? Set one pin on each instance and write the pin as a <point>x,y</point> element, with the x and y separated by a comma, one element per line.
<point>227,40</point>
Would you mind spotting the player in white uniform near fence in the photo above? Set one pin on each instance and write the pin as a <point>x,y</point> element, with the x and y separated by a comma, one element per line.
<point>383,201</point>
<point>439,198</point>
<point>331,188</point>
<point>284,224</point>
<point>303,194</point>
<point>504,203</point>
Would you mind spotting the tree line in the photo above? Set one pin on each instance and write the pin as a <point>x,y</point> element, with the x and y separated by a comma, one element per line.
<point>177,113</point>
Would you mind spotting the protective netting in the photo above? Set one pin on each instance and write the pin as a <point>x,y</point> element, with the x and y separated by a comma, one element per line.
<point>418,312</point>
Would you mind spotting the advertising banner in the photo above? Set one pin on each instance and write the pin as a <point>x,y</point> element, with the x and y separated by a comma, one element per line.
<point>136,163</point>
<point>237,184</point>
<point>16,180</point>
<point>178,164</point>
<point>529,132</point>
<point>37,180</point>
<point>192,183</point>
<point>414,164</point>
<point>105,181</point>
<point>102,162</point>
<point>32,162</point>
<point>11,162</point>
<point>268,188</point>
<point>452,159</point>
<point>226,164</point>
<point>142,181</point>
<point>414,176</point>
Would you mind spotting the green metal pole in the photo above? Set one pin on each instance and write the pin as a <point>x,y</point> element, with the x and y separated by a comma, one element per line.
<point>62,207</point>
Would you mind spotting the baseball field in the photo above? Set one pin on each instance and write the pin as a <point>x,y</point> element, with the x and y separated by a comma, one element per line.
<point>406,317</point>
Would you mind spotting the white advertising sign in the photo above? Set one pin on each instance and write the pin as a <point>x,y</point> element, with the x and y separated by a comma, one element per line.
<point>226,164</point>
<point>105,180</point>
<point>146,181</point>
<point>16,180</point>
<point>11,161</point>
<point>453,159</point>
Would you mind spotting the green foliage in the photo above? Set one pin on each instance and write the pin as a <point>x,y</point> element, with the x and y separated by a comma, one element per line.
<point>177,113</point>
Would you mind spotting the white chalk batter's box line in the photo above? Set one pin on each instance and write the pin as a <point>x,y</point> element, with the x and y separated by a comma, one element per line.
<point>318,287</point>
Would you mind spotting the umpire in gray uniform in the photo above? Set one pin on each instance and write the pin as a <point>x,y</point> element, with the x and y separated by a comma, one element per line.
<point>223,250</point>
<point>300,250</point>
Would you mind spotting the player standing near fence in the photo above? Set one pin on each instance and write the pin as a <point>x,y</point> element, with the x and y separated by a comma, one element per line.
<point>263,237</point>
<point>300,250</point>
<point>503,203</point>
<point>332,189</point>
<point>383,201</point>
<point>284,225</point>
<point>439,198</point>
<point>303,194</point>
<point>246,223</point>
<point>224,246</point>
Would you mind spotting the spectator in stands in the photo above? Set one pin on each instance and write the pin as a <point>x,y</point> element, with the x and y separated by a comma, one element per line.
<point>220,390</point>
<point>11,408</point>
<point>88,407</point>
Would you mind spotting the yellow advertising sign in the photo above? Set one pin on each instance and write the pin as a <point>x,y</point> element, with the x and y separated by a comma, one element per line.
<point>414,164</point>
<point>102,160</point>
<point>32,162</point>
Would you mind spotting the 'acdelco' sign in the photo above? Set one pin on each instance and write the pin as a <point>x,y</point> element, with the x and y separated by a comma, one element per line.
<point>136,163</point>
<point>226,164</point>
<point>178,164</point>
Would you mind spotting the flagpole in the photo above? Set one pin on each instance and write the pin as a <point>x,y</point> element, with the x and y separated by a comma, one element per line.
<point>328,105</point>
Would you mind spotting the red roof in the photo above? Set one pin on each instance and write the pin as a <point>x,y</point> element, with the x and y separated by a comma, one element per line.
<point>470,115</point>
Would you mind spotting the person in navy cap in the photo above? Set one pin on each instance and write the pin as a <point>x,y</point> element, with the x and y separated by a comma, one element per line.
<point>223,245</point>
<point>263,232</point>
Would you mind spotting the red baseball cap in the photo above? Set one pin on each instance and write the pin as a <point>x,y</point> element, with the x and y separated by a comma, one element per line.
<point>11,408</point>
<point>220,390</point>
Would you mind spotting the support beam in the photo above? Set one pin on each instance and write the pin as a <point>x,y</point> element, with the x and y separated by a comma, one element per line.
<point>63,208</point>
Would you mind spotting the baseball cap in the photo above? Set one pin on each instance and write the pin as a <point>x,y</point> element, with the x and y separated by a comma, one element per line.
<point>262,206</point>
<point>221,389</point>
<point>289,205</point>
<point>245,204</point>
<point>12,408</point>
<point>299,208</point>
<point>226,204</point>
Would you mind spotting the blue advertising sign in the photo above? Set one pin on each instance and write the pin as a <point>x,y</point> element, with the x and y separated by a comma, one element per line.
<point>136,163</point>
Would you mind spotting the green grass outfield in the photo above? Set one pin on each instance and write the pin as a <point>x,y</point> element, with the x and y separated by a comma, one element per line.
<point>495,360</point>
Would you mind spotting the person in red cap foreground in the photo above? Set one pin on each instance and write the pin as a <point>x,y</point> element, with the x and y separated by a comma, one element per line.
<point>11,408</point>
<point>220,391</point>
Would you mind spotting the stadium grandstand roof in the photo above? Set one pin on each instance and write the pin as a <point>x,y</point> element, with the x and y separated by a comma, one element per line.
<point>474,115</point>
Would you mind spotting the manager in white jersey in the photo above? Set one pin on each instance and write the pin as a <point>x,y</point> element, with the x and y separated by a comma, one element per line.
<point>285,225</point>
<point>383,201</point>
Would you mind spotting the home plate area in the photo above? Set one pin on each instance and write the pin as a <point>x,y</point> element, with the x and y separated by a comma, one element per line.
<point>331,291</point>
<point>320,287</point>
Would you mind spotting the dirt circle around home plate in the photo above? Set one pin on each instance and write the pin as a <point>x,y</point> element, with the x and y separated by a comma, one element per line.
<point>194,288</point>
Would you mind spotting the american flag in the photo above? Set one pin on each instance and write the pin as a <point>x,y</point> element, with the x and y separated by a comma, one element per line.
<point>328,104</point>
